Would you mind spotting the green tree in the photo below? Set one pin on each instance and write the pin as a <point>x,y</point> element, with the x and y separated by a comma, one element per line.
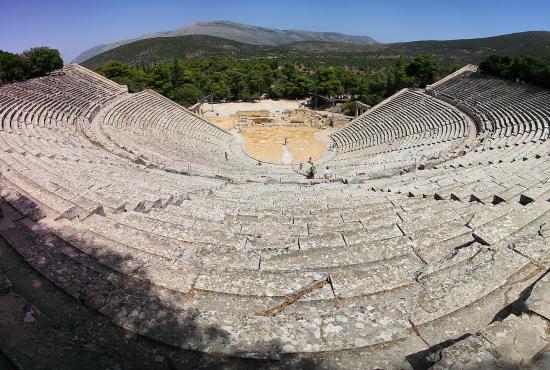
<point>43,60</point>
<point>159,79</point>
<point>303,85</point>
<point>497,65</point>
<point>528,69</point>
<point>424,69</point>
<point>378,83</point>
<point>330,88</point>
<point>13,67</point>
<point>114,69</point>
<point>256,83</point>
<point>349,79</point>
<point>397,78</point>
<point>135,79</point>
<point>177,75</point>
<point>348,108</point>
<point>238,79</point>
<point>220,90</point>
<point>186,95</point>
<point>35,62</point>
<point>277,89</point>
<point>328,83</point>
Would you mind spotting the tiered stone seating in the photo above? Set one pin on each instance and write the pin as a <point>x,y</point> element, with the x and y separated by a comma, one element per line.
<point>191,269</point>
<point>151,129</point>
<point>405,114</point>
<point>408,127</point>
<point>504,108</point>
<point>59,99</point>
<point>155,128</point>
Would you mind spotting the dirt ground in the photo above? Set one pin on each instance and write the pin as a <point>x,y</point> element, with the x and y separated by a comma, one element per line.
<point>267,144</point>
<point>226,123</point>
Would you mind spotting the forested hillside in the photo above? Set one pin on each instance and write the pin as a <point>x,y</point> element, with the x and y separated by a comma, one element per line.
<point>312,53</point>
<point>166,49</point>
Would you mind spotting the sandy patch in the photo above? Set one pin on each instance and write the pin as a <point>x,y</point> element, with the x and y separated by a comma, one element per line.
<point>223,122</point>
<point>267,144</point>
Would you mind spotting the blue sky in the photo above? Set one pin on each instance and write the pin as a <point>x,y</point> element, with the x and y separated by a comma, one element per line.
<point>74,26</point>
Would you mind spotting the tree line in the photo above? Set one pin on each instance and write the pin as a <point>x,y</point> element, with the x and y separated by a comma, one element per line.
<point>232,79</point>
<point>35,62</point>
<point>527,69</point>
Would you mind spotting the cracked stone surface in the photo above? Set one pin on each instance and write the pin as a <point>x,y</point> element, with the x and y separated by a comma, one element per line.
<point>513,343</point>
<point>539,300</point>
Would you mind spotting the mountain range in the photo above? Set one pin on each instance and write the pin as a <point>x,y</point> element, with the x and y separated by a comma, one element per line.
<point>457,52</point>
<point>243,33</point>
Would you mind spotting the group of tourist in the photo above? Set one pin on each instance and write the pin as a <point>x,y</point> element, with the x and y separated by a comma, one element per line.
<point>310,174</point>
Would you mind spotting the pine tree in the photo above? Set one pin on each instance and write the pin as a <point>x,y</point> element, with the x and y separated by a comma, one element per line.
<point>177,75</point>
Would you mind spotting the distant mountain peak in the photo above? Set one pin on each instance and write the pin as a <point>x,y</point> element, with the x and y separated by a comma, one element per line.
<point>255,35</point>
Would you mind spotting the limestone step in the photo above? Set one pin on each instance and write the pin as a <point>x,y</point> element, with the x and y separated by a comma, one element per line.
<point>433,244</point>
<point>468,300</point>
<point>501,228</point>
<point>264,283</point>
<point>514,342</point>
<point>382,276</point>
<point>328,258</point>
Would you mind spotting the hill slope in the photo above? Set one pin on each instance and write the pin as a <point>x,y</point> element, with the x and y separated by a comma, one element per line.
<point>150,51</point>
<point>515,44</point>
<point>237,32</point>
<point>166,49</point>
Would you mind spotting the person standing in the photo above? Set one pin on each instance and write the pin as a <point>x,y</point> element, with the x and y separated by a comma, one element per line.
<point>312,169</point>
<point>328,174</point>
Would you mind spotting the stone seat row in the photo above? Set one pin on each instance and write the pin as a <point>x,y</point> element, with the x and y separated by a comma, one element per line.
<point>453,178</point>
<point>61,98</point>
<point>498,104</point>
<point>406,113</point>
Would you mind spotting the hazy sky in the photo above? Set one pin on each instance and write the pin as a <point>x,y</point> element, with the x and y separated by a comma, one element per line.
<point>74,26</point>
